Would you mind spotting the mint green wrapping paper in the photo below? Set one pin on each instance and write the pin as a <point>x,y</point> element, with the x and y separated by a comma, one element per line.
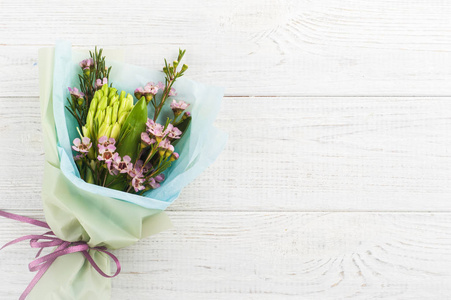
<point>76,210</point>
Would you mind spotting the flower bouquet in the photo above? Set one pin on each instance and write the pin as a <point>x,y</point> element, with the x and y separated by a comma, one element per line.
<point>121,142</point>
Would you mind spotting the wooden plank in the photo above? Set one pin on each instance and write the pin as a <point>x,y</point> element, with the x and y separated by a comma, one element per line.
<point>282,48</point>
<point>285,154</point>
<point>217,255</point>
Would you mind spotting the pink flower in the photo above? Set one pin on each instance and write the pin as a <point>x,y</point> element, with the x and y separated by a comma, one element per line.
<point>82,146</point>
<point>137,170</point>
<point>181,105</point>
<point>112,163</point>
<point>137,183</point>
<point>160,85</point>
<point>106,153</point>
<point>146,139</point>
<point>166,144</point>
<point>155,129</point>
<point>153,183</point>
<point>86,63</point>
<point>100,83</point>
<point>172,92</point>
<point>174,133</point>
<point>75,93</point>
<point>159,177</point>
<point>105,141</point>
<point>151,88</point>
<point>125,165</point>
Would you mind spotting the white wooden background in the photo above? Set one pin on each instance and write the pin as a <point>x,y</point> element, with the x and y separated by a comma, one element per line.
<point>335,182</point>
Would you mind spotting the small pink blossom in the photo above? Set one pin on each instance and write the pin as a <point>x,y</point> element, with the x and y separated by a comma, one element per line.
<point>105,141</point>
<point>172,92</point>
<point>174,133</point>
<point>160,85</point>
<point>153,183</point>
<point>151,88</point>
<point>86,63</point>
<point>181,105</point>
<point>174,156</point>
<point>166,144</point>
<point>100,82</point>
<point>146,139</point>
<point>83,145</point>
<point>137,170</point>
<point>137,183</point>
<point>125,165</point>
<point>106,153</point>
<point>112,163</point>
<point>159,177</point>
<point>75,92</point>
<point>155,129</point>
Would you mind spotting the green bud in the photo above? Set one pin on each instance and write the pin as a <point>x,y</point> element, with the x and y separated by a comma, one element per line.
<point>103,103</point>
<point>107,120</point>
<point>99,94</point>
<point>108,132</point>
<point>184,68</point>
<point>100,116</point>
<point>93,105</point>
<point>176,63</point>
<point>80,101</point>
<point>123,107</point>
<point>129,102</point>
<point>115,131</point>
<point>86,132</point>
<point>105,89</point>
<point>103,130</point>
<point>122,117</point>
<point>89,118</point>
<point>122,96</point>
<point>112,92</point>
<point>114,99</point>
<point>114,112</point>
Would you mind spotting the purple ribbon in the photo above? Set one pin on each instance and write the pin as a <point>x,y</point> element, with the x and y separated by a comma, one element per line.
<point>49,239</point>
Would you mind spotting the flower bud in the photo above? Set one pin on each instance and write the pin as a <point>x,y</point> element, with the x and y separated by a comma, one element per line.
<point>108,115</point>
<point>86,132</point>
<point>184,68</point>
<point>103,103</point>
<point>103,130</point>
<point>112,92</point>
<point>174,156</point>
<point>93,106</point>
<point>186,115</point>
<point>115,131</point>
<point>114,112</point>
<point>122,117</point>
<point>114,99</point>
<point>148,98</point>
<point>175,63</point>
<point>109,129</point>
<point>80,101</point>
<point>86,72</point>
<point>122,96</point>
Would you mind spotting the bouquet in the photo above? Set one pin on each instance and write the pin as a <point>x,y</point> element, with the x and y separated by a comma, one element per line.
<point>121,142</point>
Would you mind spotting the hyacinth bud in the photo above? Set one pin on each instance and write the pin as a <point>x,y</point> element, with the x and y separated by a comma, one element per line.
<point>114,112</point>
<point>122,117</point>
<point>115,131</point>
<point>108,132</point>
<point>184,68</point>
<point>114,99</point>
<point>122,96</point>
<point>93,105</point>
<point>103,103</point>
<point>129,102</point>
<point>107,119</point>
<point>103,130</point>
<point>86,132</point>
<point>112,92</point>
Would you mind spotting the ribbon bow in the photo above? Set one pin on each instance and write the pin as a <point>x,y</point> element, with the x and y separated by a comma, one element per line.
<point>49,239</point>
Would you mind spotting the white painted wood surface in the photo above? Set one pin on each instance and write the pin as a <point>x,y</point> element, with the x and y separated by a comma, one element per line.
<point>335,180</point>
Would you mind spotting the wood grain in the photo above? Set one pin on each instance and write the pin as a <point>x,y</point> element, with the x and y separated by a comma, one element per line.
<point>253,48</point>
<point>295,154</point>
<point>252,255</point>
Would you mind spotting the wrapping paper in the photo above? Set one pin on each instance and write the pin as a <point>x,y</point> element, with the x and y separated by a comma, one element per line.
<point>76,210</point>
